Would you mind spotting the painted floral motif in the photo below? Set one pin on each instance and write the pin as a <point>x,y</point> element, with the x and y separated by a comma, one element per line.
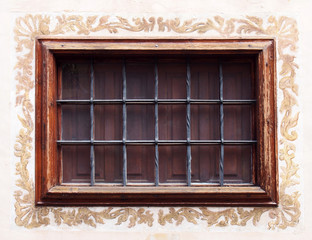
<point>285,31</point>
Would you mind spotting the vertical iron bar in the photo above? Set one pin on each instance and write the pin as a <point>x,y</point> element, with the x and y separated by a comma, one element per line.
<point>156,127</point>
<point>92,158</point>
<point>188,121</point>
<point>221,169</point>
<point>251,165</point>
<point>124,122</point>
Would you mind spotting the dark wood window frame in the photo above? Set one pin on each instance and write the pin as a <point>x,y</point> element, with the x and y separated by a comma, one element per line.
<point>50,190</point>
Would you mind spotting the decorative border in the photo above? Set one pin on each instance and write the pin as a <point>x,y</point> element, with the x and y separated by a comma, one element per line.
<point>285,31</point>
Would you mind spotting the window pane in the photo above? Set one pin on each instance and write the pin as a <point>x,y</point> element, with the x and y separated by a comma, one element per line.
<point>108,80</point>
<point>108,164</point>
<point>172,80</point>
<point>237,81</point>
<point>204,80</point>
<point>76,81</point>
<point>205,122</point>
<point>140,122</point>
<point>205,164</point>
<point>238,122</point>
<point>172,122</point>
<point>172,164</point>
<point>76,164</point>
<point>140,80</point>
<point>140,164</point>
<point>237,164</point>
<point>76,122</point>
<point>108,122</point>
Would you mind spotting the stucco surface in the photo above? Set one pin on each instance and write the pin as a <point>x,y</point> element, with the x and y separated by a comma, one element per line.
<point>10,10</point>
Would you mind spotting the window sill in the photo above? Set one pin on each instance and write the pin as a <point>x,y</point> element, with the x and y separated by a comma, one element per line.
<point>70,195</point>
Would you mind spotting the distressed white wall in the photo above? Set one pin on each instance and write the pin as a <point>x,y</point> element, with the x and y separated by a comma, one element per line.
<point>10,9</point>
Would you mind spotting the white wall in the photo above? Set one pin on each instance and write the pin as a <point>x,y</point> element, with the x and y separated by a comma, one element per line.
<point>10,126</point>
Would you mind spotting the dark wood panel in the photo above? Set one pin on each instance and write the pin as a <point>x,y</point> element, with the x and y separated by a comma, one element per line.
<point>108,80</point>
<point>172,164</point>
<point>205,164</point>
<point>172,80</point>
<point>140,80</point>
<point>172,122</point>
<point>205,122</point>
<point>238,122</point>
<point>238,80</point>
<point>140,164</point>
<point>76,80</point>
<point>140,122</point>
<point>76,164</point>
<point>76,123</point>
<point>108,164</point>
<point>204,80</point>
<point>237,164</point>
<point>108,122</point>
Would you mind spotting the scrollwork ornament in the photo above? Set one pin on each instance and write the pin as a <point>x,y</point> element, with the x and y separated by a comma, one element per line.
<point>285,31</point>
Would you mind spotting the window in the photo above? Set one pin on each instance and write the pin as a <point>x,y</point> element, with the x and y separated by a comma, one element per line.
<point>155,122</point>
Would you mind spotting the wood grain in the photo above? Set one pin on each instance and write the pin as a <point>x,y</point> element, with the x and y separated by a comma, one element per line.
<point>49,191</point>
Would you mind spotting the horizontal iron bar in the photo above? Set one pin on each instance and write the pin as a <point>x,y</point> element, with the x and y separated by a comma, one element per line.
<point>72,101</point>
<point>239,101</point>
<point>239,141</point>
<point>161,142</point>
<point>73,142</point>
<point>152,101</point>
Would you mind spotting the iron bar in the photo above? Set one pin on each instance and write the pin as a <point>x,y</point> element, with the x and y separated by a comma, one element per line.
<point>251,163</point>
<point>221,164</point>
<point>92,157</point>
<point>124,122</point>
<point>70,101</point>
<point>156,128</point>
<point>231,142</point>
<point>156,142</point>
<point>159,101</point>
<point>73,142</point>
<point>188,122</point>
<point>152,142</point>
<point>238,101</point>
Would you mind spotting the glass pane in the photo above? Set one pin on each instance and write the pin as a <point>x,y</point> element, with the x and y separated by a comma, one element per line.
<point>205,122</point>
<point>172,164</point>
<point>140,122</point>
<point>76,164</point>
<point>237,81</point>
<point>204,80</point>
<point>205,163</point>
<point>140,80</point>
<point>172,122</point>
<point>172,80</point>
<point>108,80</point>
<point>237,164</point>
<point>238,122</point>
<point>76,122</point>
<point>108,122</point>
<point>140,164</point>
<point>76,81</point>
<point>108,164</point>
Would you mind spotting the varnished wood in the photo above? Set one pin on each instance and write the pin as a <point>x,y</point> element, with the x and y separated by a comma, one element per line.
<point>150,44</point>
<point>50,191</point>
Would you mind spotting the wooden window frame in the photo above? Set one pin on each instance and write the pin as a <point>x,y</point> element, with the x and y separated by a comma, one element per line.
<point>50,191</point>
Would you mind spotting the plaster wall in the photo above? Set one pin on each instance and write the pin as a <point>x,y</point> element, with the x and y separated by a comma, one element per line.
<point>299,11</point>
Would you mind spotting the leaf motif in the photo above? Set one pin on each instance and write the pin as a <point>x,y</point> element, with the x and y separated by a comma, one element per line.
<point>28,27</point>
<point>91,20</point>
<point>219,20</point>
<point>103,20</point>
